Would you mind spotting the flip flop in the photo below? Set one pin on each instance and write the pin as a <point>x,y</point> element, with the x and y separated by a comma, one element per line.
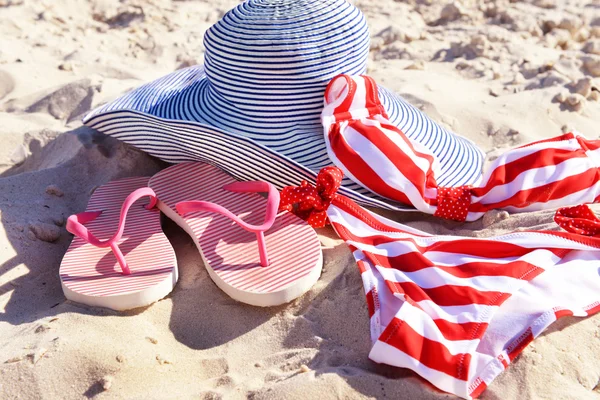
<point>254,253</point>
<point>119,257</point>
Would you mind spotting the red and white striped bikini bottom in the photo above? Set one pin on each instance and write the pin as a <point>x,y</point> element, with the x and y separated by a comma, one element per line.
<point>458,310</point>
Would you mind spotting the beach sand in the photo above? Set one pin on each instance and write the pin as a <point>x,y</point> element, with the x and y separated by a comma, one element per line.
<point>500,73</point>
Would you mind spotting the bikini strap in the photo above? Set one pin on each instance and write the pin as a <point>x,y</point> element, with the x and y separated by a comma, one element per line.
<point>350,97</point>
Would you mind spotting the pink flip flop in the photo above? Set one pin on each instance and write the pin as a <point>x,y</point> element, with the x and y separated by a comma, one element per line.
<point>254,253</point>
<point>119,257</point>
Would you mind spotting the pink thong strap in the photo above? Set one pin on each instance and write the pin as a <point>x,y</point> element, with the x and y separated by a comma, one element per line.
<point>243,187</point>
<point>75,225</point>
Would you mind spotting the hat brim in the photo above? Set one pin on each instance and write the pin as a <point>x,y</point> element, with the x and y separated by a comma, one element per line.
<point>161,118</point>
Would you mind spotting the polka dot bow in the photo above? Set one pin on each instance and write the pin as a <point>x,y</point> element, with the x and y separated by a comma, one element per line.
<point>453,203</point>
<point>310,203</point>
<point>579,219</point>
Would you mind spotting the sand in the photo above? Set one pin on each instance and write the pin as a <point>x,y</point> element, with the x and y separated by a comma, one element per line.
<point>500,73</point>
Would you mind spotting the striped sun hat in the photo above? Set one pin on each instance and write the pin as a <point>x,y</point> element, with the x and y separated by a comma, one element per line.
<point>253,109</point>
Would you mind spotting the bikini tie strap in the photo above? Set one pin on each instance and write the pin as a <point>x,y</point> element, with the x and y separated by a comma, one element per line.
<point>310,203</point>
<point>579,219</point>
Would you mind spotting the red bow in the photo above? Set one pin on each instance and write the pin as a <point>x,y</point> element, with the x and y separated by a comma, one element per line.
<point>310,203</point>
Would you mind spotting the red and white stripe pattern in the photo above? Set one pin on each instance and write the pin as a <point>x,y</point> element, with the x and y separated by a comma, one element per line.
<point>458,310</point>
<point>92,272</point>
<point>230,251</point>
<point>550,173</point>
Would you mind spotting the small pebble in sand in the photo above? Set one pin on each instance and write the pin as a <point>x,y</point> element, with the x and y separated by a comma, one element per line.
<point>304,368</point>
<point>113,14</point>
<point>417,65</point>
<point>162,361</point>
<point>582,35</point>
<point>54,191</point>
<point>594,96</point>
<point>45,232</point>
<point>390,35</point>
<point>575,101</point>
<point>494,92</point>
<point>558,38</point>
<point>151,340</point>
<point>258,365</point>
<point>566,128</point>
<point>560,97</point>
<point>376,43</point>
<point>592,47</point>
<point>452,12</point>
<point>106,382</point>
<point>479,45</point>
<point>120,358</point>
<point>571,24</point>
<point>42,328</point>
<point>59,221</point>
<point>583,86</point>
<point>66,66</point>
<point>225,380</point>
<point>67,102</point>
<point>462,65</point>
<point>493,216</point>
<point>592,65</point>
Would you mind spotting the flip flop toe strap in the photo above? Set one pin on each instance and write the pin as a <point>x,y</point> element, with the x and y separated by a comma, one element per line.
<point>76,225</point>
<point>242,187</point>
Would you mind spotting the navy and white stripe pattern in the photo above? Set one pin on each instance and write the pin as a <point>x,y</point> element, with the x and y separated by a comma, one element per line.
<point>254,108</point>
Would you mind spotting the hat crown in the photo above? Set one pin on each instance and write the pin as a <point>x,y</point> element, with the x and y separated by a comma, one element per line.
<point>265,52</point>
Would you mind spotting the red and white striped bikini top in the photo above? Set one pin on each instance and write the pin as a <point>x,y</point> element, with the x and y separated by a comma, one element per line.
<point>377,155</point>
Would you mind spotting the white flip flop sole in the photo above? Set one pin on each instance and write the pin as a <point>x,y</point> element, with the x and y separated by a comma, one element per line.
<point>91,275</point>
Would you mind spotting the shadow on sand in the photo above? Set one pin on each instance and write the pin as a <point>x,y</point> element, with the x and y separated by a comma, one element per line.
<point>76,162</point>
